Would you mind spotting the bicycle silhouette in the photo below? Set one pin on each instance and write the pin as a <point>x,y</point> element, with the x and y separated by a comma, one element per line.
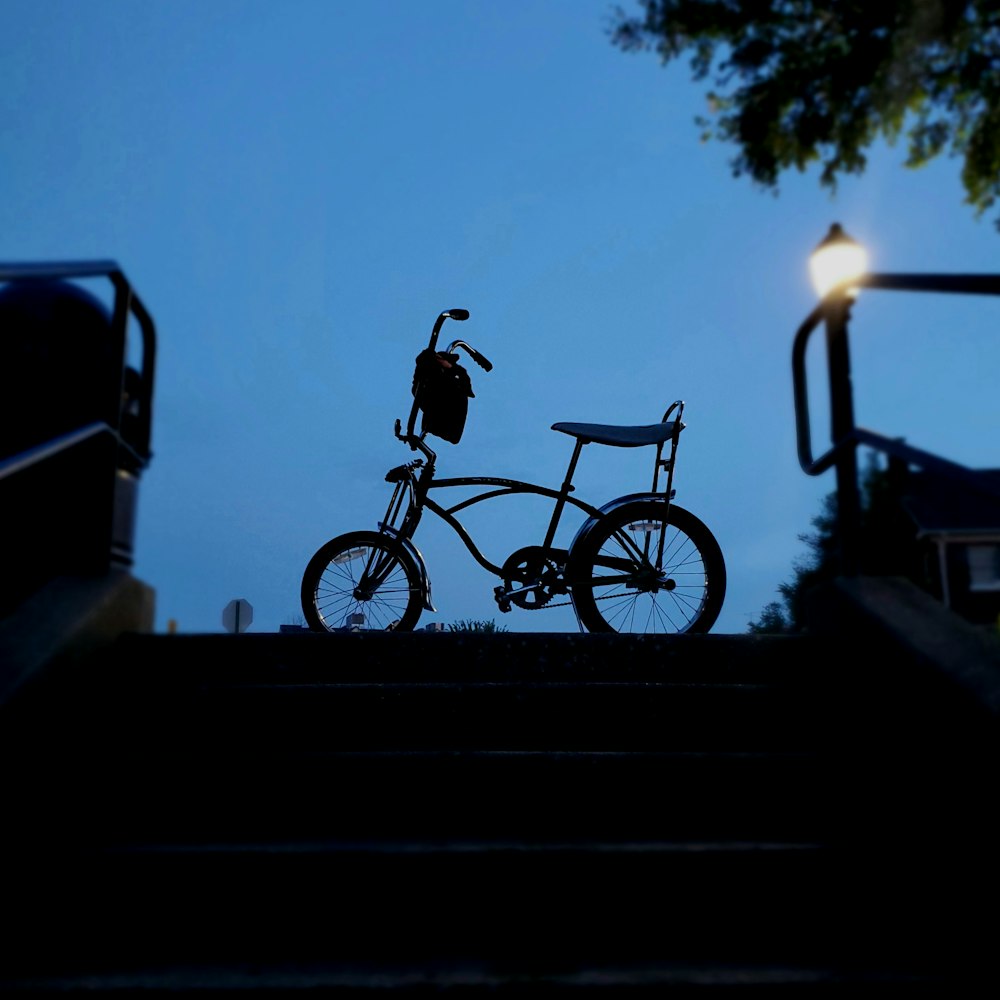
<point>639,563</point>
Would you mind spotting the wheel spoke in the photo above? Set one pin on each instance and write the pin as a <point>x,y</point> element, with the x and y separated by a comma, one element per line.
<point>616,583</point>
<point>361,581</point>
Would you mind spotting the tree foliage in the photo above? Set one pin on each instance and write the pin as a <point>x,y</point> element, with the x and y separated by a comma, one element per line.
<point>803,82</point>
<point>817,566</point>
<point>887,548</point>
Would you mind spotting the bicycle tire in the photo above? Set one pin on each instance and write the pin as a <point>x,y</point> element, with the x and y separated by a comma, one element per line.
<point>686,596</point>
<point>332,596</point>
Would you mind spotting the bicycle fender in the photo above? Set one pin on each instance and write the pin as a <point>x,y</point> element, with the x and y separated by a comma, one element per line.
<point>414,553</point>
<point>611,505</point>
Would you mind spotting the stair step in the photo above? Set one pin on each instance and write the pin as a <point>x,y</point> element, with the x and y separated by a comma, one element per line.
<point>471,979</point>
<point>506,656</point>
<point>518,905</point>
<point>405,899</point>
<point>487,814</point>
<point>544,794</point>
<point>494,716</point>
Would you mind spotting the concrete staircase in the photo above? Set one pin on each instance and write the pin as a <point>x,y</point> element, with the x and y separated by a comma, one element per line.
<point>470,814</point>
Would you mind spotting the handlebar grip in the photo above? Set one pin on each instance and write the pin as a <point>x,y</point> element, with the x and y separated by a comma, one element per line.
<point>480,360</point>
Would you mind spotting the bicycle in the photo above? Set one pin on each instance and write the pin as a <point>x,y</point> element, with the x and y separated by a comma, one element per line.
<point>639,563</point>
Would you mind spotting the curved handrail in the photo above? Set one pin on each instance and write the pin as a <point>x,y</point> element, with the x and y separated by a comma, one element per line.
<point>800,390</point>
<point>126,302</point>
<point>833,312</point>
<point>968,284</point>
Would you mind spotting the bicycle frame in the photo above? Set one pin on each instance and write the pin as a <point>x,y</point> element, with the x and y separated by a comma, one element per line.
<point>420,485</point>
<point>417,486</point>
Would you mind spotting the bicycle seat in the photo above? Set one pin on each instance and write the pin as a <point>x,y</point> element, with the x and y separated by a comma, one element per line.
<point>621,437</point>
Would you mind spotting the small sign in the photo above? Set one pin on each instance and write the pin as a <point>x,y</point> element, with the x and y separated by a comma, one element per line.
<point>237,616</point>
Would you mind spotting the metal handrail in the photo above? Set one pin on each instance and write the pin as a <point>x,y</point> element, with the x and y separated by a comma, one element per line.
<point>31,457</point>
<point>126,302</point>
<point>847,437</point>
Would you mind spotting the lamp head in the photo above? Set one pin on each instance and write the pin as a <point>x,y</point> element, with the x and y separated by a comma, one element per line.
<point>838,259</point>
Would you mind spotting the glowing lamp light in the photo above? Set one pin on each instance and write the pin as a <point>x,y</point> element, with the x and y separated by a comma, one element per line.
<point>837,260</point>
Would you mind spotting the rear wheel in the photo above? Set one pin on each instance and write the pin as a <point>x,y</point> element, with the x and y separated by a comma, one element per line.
<point>621,582</point>
<point>362,581</point>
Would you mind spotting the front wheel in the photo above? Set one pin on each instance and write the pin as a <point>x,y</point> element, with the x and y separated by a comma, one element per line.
<point>648,568</point>
<point>361,581</point>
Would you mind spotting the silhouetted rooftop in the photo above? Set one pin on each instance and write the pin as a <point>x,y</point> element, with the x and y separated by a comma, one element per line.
<point>938,505</point>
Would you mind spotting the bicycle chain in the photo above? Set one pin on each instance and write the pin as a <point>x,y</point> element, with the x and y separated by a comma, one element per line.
<point>568,604</point>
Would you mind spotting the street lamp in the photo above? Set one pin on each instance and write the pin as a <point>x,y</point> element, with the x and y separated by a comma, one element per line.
<point>839,271</point>
<point>834,264</point>
<point>837,260</point>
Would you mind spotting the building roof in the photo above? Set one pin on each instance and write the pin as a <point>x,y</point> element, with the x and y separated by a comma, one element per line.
<point>940,506</point>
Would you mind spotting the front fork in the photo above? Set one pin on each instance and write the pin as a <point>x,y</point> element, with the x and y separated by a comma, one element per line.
<point>404,510</point>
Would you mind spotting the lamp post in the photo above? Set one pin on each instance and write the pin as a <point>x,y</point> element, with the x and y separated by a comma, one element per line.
<point>838,267</point>
<point>834,264</point>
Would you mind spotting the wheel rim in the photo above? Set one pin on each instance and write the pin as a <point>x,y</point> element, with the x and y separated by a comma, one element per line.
<point>667,600</point>
<point>345,601</point>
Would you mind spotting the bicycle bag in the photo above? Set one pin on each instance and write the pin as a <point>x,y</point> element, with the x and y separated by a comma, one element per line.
<point>442,389</point>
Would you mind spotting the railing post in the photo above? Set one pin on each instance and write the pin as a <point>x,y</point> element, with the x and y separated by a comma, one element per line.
<point>836,316</point>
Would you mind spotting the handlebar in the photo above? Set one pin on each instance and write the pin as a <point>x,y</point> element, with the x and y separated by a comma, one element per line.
<point>480,359</point>
<point>461,315</point>
<point>414,440</point>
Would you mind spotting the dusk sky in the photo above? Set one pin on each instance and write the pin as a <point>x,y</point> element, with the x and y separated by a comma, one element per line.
<point>296,189</point>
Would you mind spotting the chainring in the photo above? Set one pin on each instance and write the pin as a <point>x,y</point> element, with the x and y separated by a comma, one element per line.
<point>538,579</point>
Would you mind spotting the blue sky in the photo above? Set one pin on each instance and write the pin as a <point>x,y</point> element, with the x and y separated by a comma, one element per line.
<point>297,189</point>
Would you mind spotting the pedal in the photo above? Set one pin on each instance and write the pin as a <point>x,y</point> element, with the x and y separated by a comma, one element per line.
<point>500,596</point>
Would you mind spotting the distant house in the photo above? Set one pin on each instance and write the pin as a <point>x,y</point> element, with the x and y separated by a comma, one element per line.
<point>957,531</point>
